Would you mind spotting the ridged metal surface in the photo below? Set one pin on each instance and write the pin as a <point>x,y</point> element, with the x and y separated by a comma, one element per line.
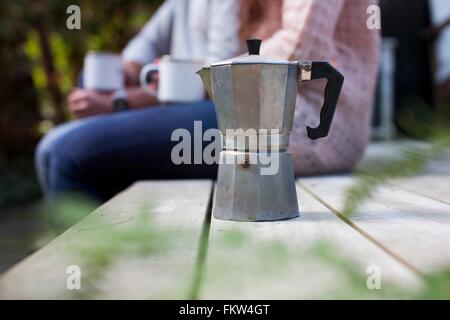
<point>254,97</point>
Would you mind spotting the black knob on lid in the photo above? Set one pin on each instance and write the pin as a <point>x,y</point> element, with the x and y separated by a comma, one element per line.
<point>253,46</point>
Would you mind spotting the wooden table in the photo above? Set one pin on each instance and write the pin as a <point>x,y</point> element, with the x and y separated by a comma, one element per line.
<point>401,234</point>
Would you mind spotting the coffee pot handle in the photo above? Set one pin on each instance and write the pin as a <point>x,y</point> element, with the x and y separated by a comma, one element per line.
<point>323,70</point>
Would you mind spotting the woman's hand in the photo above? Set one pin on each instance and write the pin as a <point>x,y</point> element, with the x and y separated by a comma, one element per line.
<point>85,103</point>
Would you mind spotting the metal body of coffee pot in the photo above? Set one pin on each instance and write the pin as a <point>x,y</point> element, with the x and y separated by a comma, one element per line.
<point>253,94</point>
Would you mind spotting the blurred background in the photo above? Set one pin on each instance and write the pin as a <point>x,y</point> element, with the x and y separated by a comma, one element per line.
<point>40,60</point>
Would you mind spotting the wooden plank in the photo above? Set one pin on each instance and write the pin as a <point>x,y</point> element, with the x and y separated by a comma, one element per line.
<point>434,179</point>
<point>177,213</point>
<point>414,228</point>
<point>377,152</point>
<point>314,256</point>
<point>385,152</point>
<point>436,187</point>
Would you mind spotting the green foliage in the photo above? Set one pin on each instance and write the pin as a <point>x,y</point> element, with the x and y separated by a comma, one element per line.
<point>69,208</point>
<point>140,239</point>
<point>104,244</point>
<point>437,286</point>
<point>411,161</point>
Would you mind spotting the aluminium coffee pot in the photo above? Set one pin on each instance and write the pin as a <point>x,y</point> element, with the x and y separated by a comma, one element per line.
<point>255,94</point>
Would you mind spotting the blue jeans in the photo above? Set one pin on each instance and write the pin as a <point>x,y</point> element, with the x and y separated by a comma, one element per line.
<point>102,155</point>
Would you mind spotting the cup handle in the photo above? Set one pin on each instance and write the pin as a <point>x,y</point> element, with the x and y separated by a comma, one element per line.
<point>311,70</point>
<point>146,77</point>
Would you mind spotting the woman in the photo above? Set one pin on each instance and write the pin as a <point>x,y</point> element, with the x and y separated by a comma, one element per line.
<point>331,30</point>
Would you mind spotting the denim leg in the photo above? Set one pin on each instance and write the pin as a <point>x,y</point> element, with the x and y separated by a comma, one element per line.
<point>110,152</point>
<point>46,149</point>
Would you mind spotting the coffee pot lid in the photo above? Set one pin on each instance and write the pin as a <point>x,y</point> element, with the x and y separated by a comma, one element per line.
<point>252,57</point>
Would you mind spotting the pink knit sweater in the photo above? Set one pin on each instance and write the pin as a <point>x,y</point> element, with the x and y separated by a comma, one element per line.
<point>336,31</point>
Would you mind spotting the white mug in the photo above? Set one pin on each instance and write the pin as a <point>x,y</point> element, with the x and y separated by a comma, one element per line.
<point>103,71</point>
<point>177,81</point>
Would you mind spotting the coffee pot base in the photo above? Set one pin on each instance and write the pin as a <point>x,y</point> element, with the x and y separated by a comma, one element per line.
<point>245,192</point>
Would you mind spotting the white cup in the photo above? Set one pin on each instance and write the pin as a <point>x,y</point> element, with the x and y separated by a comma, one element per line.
<point>177,80</point>
<point>103,71</point>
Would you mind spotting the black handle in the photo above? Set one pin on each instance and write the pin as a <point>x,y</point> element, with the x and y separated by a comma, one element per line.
<point>321,70</point>
<point>253,46</point>
<point>150,76</point>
